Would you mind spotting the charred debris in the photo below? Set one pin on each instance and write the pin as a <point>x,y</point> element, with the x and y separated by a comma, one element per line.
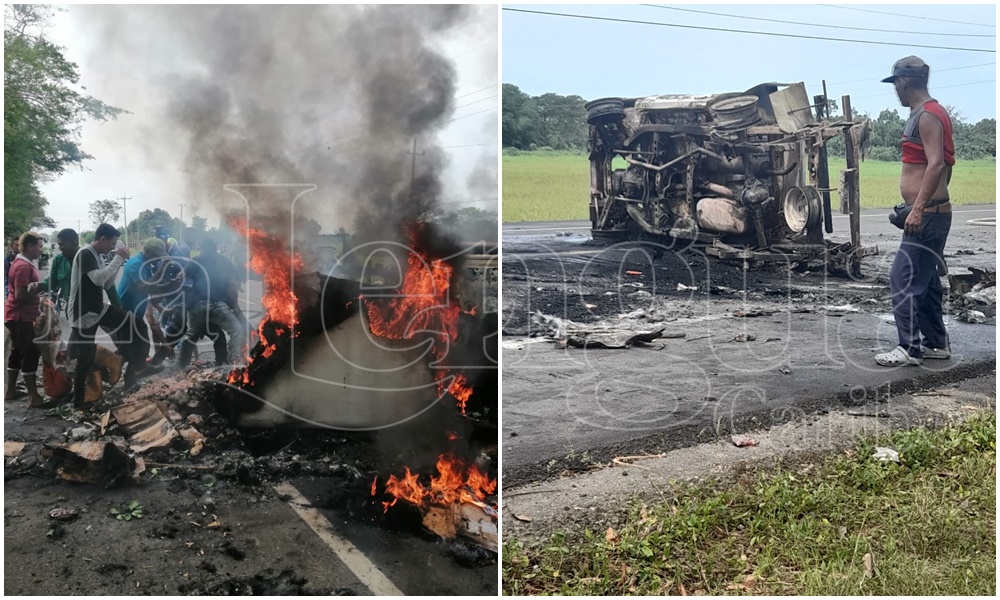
<point>196,425</point>
<point>740,175</point>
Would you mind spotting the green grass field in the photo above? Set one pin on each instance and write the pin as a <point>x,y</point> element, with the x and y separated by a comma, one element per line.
<point>840,524</point>
<point>554,186</point>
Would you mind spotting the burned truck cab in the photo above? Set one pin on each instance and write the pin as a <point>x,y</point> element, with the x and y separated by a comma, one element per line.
<point>738,175</point>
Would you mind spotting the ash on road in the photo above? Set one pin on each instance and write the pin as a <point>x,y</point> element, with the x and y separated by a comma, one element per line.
<point>219,523</point>
<point>761,346</point>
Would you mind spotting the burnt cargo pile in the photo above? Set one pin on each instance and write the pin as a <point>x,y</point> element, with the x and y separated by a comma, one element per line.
<point>738,175</point>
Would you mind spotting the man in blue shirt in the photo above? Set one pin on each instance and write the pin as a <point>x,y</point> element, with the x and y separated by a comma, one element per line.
<point>142,276</point>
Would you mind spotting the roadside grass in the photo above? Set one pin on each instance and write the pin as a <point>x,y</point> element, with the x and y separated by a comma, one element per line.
<point>553,186</point>
<point>928,524</point>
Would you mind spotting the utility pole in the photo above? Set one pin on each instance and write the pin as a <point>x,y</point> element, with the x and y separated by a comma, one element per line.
<point>181,230</point>
<point>124,199</point>
<point>413,167</point>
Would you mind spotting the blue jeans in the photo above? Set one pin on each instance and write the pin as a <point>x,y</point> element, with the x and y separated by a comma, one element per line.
<point>206,319</point>
<point>915,285</point>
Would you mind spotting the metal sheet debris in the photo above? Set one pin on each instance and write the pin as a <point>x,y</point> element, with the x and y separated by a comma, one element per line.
<point>102,462</point>
<point>13,449</point>
<point>146,424</point>
<point>471,521</point>
<point>611,339</point>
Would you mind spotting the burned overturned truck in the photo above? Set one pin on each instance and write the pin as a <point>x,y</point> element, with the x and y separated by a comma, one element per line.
<point>738,175</point>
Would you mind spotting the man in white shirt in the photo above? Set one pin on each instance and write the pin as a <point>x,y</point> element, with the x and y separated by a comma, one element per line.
<point>88,311</point>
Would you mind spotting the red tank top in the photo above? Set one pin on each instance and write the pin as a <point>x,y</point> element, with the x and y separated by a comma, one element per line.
<point>913,146</point>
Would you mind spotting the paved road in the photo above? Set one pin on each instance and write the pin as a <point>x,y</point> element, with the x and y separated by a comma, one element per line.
<point>308,530</point>
<point>565,408</point>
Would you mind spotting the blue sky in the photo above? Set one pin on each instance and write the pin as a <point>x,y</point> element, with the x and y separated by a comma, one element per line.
<point>594,59</point>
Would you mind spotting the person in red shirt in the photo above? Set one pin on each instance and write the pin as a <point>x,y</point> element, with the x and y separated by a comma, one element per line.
<point>914,280</point>
<point>21,308</point>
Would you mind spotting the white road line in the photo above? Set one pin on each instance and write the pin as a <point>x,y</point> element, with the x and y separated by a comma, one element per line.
<point>516,231</point>
<point>879,216</point>
<point>348,554</point>
<point>883,216</point>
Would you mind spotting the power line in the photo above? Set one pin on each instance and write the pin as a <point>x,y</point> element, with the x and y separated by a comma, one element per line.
<point>941,87</point>
<point>476,92</point>
<point>467,146</point>
<point>705,12</point>
<point>767,33</point>
<point>476,101</point>
<point>337,141</point>
<point>879,12</point>
<point>476,47</point>
<point>935,71</point>
<point>479,112</point>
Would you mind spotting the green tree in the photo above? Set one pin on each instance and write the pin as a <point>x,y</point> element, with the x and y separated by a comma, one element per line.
<point>972,141</point>
<point>520,121</point>
<point>145,223</point>
<point>42,115</point>
<point>104,211</point>
<point>200,226</point>
<point>563,121</point>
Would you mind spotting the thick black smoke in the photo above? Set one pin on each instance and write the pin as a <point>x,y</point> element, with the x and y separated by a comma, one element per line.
<point>326,95</point>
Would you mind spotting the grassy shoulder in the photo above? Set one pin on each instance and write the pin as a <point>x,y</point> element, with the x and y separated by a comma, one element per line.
<point>553,186</point>
<point>844,525</point>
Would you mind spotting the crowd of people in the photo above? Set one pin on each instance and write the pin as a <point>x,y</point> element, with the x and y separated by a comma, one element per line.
<point>165,299</point>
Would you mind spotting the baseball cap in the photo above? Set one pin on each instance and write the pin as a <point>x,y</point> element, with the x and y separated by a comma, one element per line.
<point>154,247</point>
<point>160,232</point>
<point>911,66</point>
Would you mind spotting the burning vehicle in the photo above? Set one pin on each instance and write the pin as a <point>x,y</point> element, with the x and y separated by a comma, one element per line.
<point>740,175</point>
<point>351,355</point>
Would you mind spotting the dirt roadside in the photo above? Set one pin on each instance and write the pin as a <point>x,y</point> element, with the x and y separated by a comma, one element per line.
<point>601,497</point>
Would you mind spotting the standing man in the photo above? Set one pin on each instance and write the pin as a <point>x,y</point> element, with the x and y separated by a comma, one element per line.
<point>62,264</point>
<point>141,284</point>
<point>914,283</point>
<point>88,311</point>
<point>214,287</point>
<point>20,312</point>
<point>62,268</point>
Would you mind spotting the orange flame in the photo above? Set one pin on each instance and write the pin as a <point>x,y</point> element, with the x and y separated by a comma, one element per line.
<point>450,486</point>
<point>424,305</point>
<point>272,259</point>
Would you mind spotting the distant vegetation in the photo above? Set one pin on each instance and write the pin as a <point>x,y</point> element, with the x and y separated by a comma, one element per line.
<point>549,121</point>
<point>552,186</point>
<point>546,173</point>
<point>554,122</point>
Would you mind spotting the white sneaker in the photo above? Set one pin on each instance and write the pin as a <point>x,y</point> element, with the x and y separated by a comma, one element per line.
<point>898,357</point>
<point>936,353</point>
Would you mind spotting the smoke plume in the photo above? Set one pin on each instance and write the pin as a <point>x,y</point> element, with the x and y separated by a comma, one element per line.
<point>327,95</point>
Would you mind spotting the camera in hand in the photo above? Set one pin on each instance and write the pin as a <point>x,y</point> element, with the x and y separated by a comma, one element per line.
<point>899,213</point>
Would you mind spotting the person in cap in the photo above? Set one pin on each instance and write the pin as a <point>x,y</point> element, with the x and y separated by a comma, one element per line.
<point>161,232</point>
<point>139,277</point>
<point>142,286</point>
<point>214,290</point>
<point>914,280</point>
